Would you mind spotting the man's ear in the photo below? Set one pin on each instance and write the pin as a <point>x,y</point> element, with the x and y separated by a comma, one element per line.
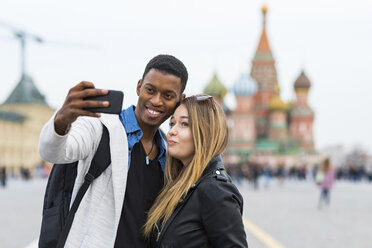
<point>181,99</point>
<point>183,96</point>
<point>139,84</point>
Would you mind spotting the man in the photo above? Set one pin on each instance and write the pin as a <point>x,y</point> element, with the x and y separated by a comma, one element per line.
<point>3,176</point>
<point>114,208</point>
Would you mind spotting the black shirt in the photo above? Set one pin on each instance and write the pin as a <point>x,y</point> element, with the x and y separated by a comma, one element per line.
<point>144,182</point>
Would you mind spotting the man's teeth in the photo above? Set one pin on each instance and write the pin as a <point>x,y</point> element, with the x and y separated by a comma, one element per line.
<point>153,112</point>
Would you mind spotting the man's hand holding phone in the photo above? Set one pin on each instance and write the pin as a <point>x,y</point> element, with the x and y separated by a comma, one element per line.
<point>80,101</point>
<point>115,99</point>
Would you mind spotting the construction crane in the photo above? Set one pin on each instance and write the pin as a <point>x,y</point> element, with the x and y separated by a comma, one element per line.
<point>25,37</point>
<point>22,36</point>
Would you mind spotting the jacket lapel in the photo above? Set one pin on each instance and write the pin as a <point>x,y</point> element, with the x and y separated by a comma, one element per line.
<point>119,153</point>
<point>215,163</point>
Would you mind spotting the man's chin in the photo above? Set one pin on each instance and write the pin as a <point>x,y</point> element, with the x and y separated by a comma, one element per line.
<point>154,123</point>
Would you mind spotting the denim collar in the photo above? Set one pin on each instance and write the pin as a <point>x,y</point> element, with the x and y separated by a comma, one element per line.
<point>134,134</point>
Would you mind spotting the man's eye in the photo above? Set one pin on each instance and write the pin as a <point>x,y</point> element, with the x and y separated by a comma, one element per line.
<point>149,90</point>
<point>168,96</point>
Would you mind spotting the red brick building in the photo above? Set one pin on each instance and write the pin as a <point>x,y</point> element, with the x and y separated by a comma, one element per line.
<point>263,126</point>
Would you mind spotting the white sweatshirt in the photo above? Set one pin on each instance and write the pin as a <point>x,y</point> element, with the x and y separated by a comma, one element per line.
<point>97,218</point>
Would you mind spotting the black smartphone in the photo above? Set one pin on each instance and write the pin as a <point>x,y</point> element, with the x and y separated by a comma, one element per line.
<point>116,102</point>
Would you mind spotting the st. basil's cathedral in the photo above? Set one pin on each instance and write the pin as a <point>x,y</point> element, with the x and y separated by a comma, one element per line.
<point>263,128</point>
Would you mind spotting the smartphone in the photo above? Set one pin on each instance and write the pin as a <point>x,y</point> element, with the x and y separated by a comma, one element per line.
<point>114,97</point>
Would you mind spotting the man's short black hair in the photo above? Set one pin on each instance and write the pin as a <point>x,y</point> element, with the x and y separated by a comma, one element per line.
<point>168,64</point>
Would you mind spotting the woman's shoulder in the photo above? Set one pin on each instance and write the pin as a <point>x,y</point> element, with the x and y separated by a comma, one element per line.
<point>218,186</point>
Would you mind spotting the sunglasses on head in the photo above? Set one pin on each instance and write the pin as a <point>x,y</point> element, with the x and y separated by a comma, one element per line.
<point>200,98</point>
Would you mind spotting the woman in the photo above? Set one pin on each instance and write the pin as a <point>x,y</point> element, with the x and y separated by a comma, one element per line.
<point>325,179</point>
<point>199,206</point>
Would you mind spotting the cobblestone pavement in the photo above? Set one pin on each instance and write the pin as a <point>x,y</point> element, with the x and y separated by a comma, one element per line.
<point>287,213</point>
<point>21,206</point>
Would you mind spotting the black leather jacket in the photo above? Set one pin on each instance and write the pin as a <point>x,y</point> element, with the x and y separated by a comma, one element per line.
<point>209,216</point>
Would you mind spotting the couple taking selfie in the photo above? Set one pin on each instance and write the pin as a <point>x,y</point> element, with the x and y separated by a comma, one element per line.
<point>157,191</point>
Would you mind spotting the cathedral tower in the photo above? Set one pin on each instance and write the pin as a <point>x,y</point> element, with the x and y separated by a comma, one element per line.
<point>301,115</point>
<point>277,118</point>
<point>242,132</point>
<point>264,72</point>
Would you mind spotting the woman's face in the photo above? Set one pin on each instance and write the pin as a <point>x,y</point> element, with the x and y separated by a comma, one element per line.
<point>180,140</point>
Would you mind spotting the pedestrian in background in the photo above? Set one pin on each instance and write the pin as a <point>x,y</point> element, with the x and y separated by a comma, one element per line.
<point>325,178</point>
<point>266,172</point>
<point>3,176</point>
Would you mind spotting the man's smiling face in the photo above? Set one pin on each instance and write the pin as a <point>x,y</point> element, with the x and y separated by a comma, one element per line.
<point>158,95</point>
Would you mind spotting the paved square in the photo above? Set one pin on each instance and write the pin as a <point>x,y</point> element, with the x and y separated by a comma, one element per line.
<point>286,213</point>
<point>289,214</point>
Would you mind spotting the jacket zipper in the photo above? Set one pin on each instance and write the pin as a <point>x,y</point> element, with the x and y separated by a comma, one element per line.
<point>159,232</point>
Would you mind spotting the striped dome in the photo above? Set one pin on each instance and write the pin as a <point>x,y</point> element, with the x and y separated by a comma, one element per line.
<point>215,88</point>
<point>245,86</point>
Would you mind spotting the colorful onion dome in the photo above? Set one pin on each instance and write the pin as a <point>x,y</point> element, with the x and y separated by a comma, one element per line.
<point>276,103</point>
<point>264,9</point>
<point>302,82</point>
<point>245,86</point>
<point>215,88</point>
<point>301,111</point>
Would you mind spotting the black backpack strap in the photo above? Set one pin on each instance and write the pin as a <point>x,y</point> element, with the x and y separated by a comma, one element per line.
<point>100,162</point>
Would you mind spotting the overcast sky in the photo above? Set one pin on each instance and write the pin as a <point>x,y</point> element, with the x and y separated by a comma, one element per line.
<point>110,42</point>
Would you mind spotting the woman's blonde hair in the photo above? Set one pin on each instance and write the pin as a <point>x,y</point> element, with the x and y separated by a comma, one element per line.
<point>209,130</point>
